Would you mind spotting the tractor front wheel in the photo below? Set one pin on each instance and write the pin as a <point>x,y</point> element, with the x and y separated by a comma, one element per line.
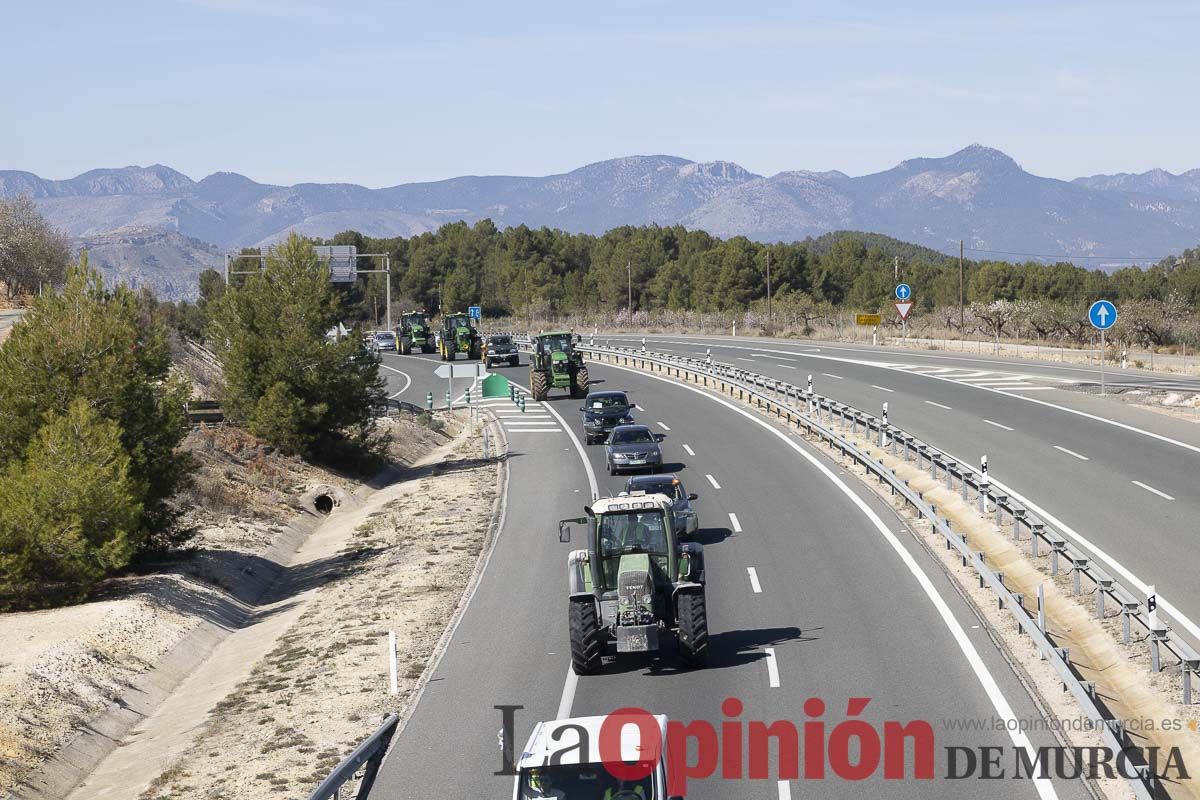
<point>693,629</point>
<point>405,345</point>
<point>579,388</point>
<point>476,351</point>
<point>587,642</point>
<point>539,384</point>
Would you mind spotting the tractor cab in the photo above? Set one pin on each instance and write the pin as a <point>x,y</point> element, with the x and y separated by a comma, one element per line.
<point>459,336</point>
<point>413,333</point>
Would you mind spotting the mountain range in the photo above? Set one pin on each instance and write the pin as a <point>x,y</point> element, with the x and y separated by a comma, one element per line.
<point>157,226</point>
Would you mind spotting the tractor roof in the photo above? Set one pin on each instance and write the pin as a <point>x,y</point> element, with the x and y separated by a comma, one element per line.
<point>626,502</point>
<point>557,737</point>
<point>555,333</point>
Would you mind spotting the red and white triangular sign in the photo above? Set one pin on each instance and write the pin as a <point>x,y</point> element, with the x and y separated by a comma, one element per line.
<point>902,308</point>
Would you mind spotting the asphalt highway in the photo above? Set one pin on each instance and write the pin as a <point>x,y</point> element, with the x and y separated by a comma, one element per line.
<point>1120,479</point>
<point>814,589</point>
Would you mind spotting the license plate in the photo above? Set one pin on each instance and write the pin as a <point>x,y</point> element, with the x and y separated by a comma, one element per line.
<point>637,461</point>
<point>637,642</point>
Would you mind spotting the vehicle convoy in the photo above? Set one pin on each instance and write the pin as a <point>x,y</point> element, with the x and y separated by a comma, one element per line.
<point>603,411</point>
<point>556,364</point>
<point>551,766</point>
<point>633,447</point>
<point>458,335</point>
<point>414,333</point>
<point>500,347</point>
<point>634,583</point>
<point>687,521</point>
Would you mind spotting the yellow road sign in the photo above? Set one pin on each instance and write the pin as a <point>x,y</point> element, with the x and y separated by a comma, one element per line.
<point>868,319</point>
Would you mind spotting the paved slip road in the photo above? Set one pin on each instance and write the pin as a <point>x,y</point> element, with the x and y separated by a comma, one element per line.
<point>1123,478</point>
<point>837,603</point>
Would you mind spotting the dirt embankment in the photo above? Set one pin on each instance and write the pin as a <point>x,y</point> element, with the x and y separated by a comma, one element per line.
<point>403,559</point>
<point>99,665</point>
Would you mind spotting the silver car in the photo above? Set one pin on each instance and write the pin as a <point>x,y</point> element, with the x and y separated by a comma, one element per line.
<point>633,447</point>
<point>687,521</point>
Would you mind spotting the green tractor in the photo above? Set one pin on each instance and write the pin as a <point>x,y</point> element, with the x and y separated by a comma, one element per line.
<point>458,335</point>
<point>413,333</point>
<point>635,583</point>
<point>555,364</point>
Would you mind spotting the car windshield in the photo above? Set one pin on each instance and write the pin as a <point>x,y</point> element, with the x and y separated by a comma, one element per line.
<point>671,488</point>
<point>582,782</point>
<point>633,436</point>
<point>607,401</point>
<point>501,340</point>
<point>383,337</point>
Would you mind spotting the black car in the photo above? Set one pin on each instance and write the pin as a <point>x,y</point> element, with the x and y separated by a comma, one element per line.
<point>633,447</point>
<point>603,411</point>
<point>687,521</point>
<point>500,348</point>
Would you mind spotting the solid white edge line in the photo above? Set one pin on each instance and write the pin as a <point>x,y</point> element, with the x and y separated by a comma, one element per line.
<point>785,790</point>
<point>689,450</point>
<point>713,481</point>
<point>407,377</point>
<point>772,668</point>
<point>998,425</point>
<point>1073,453</point>
<point>754,584</point>
<point>567,700</point>
<point>733,520</point>
<point>1149,488</point>
<point>1045,788</point>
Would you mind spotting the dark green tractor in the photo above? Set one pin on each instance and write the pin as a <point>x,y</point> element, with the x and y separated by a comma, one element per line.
<point>556,364</point>
<point>413,333</point>
<point>635,584</point>
<point>459,336</point>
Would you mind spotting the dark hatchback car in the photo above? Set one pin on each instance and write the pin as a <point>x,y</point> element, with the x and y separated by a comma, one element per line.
<point>687,521</point>
<point>603,411</point>
<point>500,348</point>
<point>633,447</point>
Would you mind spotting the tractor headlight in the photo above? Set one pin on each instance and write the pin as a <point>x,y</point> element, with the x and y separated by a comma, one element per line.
<point>646,599</point>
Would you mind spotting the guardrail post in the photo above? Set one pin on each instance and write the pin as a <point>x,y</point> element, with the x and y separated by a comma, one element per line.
<point>933,465</point>
<point>1035,535</point>
<point>1103,586</point>
<point>1077,566</point>
<point>1058,546</point>
<point>1156,638</point>
<point>1189,667</point>
<point>1000,500</point>
<point>1018,515</point>
<point>485,445</point>
<point>949,478</point>
<point>1128,609</point>
<point>1041,610</point>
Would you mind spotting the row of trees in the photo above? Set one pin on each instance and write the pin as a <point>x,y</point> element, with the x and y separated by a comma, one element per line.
<point>33,254</point>
<point>542,272</point>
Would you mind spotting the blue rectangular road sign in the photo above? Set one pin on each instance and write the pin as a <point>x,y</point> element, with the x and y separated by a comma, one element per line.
<point>475,312</point>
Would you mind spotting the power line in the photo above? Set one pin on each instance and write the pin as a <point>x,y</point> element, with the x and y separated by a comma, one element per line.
<point>1069,257</point>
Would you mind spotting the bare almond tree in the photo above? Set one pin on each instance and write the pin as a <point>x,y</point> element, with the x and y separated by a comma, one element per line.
<point>32,252</point>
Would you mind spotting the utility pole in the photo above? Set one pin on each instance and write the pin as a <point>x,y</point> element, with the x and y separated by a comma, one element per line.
<point>525,282</point>
<point>896,268</point>
<point>770,313</point>
<point>629,285</point>
<point>961,314</point>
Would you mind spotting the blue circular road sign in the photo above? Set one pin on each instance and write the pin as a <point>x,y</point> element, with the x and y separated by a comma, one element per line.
<point>903,291</point>
<point>1102,315</point>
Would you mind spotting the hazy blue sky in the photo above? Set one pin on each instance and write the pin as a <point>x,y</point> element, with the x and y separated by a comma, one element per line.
<point>384,92</point>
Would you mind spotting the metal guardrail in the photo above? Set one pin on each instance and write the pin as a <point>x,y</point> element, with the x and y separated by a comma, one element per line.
<point>817,414</point>
<point>368,757</point>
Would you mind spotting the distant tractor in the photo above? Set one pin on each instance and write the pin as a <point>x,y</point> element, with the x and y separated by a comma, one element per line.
<point>556,364</point>
<point>458,335</point>
<point>414,333</point>
<point>634,583</point>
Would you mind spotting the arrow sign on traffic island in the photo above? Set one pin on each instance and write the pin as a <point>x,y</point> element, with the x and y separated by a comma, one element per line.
<point>902,308</point>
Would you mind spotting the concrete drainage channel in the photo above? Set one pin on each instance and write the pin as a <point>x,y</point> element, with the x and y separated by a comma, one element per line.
<point>822,417</point>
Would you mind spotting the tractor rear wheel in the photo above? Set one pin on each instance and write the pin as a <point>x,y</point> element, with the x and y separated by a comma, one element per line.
<point>587,643</point>
<point>693,629</point>
<point>539,384</point>
<point>579,387</point>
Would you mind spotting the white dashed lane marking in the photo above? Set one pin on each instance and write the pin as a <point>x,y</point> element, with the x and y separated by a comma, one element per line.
<point>733,520</point>
<point>689,450</point>
<point>754,584</point>
<point>713,481</point>
<point>1163,495</point>
<point>772,668</point>
<point>1071,453</point>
